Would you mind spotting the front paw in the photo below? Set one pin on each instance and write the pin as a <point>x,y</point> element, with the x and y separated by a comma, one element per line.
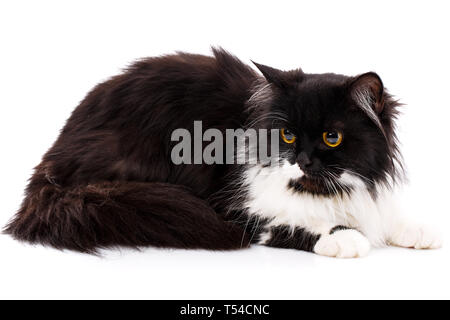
<point>347,243</point>
<point>417,237</point>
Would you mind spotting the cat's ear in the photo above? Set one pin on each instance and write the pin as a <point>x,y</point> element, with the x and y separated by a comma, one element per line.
<point>367,90</point>
<point>275,76</point>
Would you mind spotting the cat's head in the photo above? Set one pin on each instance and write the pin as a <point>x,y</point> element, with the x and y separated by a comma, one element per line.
<point>339,130</point>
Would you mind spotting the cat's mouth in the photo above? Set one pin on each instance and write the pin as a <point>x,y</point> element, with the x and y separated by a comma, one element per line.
<point>316,183</point>
<point>314,175</point>
<point>321,175</point>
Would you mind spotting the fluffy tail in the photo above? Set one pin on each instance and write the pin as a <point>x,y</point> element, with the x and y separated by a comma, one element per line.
<point>122,214</point>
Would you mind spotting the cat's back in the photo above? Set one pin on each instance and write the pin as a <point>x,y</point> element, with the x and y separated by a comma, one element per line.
<point>122,129</point>
<point>189,85</point>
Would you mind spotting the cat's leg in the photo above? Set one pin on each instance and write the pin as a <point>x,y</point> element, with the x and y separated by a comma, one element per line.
<point>408,234</point>
<point>322,238</point>
<point>401,231</point>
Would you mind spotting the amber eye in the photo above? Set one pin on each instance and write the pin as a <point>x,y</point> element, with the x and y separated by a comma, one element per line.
<point>287,136</point>
<point>332,138</point>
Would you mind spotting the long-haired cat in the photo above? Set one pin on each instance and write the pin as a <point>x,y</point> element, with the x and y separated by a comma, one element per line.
<point>109,179</point>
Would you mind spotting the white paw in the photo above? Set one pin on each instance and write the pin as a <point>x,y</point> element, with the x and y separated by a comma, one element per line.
<point>418,237</point>
<point>343,244</point>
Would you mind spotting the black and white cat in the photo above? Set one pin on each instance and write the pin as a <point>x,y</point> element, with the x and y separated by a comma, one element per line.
<point>110,179</point>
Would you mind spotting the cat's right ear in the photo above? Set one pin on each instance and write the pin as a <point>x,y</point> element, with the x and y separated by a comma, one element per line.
<point>368,90</point>
<point>272,75</point>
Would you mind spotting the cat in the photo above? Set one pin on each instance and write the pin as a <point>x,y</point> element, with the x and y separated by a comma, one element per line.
<point>109,180</point>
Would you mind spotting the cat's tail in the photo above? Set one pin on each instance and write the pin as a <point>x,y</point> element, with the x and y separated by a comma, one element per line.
<point>122,214</point>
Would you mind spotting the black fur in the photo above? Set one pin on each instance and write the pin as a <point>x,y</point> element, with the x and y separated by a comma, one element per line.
<point>300,238</point>
<point>338,228</point>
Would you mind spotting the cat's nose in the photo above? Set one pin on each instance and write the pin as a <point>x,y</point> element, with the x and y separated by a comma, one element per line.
<point>303,160</point>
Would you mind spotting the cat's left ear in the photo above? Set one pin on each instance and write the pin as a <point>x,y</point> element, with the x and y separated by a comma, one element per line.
<point>367,89</point>
<point>279,78</point>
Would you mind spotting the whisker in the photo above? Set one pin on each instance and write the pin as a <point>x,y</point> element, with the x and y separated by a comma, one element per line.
<point>370,181</point>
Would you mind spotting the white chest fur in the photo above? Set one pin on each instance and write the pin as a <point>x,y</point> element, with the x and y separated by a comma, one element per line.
<point>270,197</point>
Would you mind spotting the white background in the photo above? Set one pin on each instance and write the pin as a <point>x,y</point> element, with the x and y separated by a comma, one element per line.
<point>53,52</point>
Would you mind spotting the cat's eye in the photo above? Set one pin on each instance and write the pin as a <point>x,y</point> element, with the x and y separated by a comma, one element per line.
<point>287,136</point>
<point>332,138</point>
